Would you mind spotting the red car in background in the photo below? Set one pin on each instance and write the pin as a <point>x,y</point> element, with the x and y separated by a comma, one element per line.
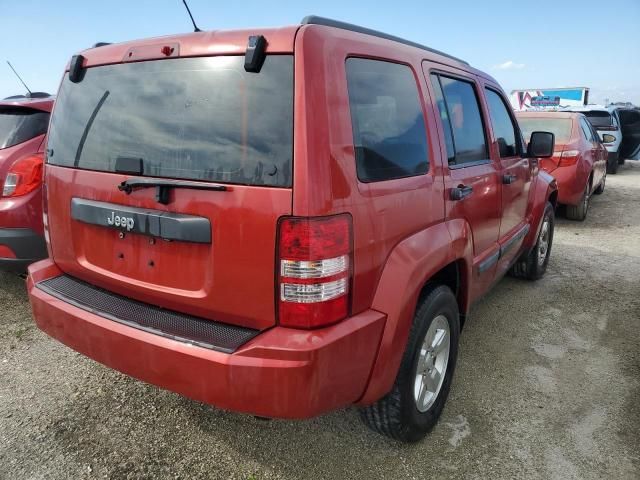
<point>23,127</point>
<point>579,163</point>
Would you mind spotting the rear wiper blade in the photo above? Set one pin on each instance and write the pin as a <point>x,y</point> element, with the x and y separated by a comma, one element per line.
<point>163,186</point>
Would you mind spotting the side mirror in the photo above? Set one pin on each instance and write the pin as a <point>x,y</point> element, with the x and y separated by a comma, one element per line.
<point>541,145</point>
<point>607,138</point>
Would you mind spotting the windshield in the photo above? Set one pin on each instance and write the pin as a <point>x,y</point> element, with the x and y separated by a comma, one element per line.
<point>190,118</point>
<point>599,118</point>
<point>18,125</point>
<point>560,127</point>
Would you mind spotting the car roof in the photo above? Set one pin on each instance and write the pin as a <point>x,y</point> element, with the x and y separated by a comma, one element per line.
<point>45,104</point>
<point>548,114</point>
<point>234,42</point>
<point>588,108</point>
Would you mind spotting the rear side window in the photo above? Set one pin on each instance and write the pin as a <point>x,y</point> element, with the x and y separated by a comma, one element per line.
<point>460,112</point>
<point>389,132</point>
<point>188,118</point>
<point>503,127</point>
<point>18,125</point>
<point>586,130</point>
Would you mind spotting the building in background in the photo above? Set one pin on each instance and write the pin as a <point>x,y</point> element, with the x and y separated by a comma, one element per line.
<point>549,98</point>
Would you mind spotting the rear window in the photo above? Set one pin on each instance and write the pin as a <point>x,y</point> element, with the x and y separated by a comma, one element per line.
<point>389,132</point>
<point>190,118</point>
<point>18,125</point>
<point>560,127</point>
<point>599,118</point>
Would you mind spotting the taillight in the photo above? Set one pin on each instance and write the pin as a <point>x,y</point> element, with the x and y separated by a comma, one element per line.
<point>314,270</point>
<point>24,176</point>
<point>568,157</point>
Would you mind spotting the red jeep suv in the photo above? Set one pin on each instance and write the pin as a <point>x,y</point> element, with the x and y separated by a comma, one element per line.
<point>285,221</point>
<point>23,125</point>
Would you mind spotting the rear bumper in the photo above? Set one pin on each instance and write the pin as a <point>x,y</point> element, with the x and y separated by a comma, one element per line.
<point>571,184</point>
<point>284,373</point>
<point>27,246</point>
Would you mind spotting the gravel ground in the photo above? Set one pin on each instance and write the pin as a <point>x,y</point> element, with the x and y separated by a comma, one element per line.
<point>547,386</point>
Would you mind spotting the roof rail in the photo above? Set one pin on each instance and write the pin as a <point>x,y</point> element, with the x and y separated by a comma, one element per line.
<point>327,22</point>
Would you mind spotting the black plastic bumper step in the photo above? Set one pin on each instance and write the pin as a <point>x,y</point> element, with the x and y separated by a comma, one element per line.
<point>178,326</point>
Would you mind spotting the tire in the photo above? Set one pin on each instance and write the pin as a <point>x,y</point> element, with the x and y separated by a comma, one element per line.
<point>600,189</point>
<point>398,414</point>
<point>621,160</point>
<point>579,212</point>
<point>533,264</point>
<point>612,164</point>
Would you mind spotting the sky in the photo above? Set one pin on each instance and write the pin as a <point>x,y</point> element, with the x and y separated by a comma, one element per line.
<point>533,44</point>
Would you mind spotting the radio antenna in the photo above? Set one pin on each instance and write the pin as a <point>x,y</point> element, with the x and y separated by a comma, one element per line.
<point>19,78</point>
<point>195,27</point>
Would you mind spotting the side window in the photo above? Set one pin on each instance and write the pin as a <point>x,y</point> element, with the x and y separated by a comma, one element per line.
<point>503,127</point>
<point>460,113</point>
<point>389,132</point>
<point>595,136</point>
<point>586,130</point>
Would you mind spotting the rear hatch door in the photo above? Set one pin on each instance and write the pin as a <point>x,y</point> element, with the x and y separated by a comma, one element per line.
<point>204,250</point>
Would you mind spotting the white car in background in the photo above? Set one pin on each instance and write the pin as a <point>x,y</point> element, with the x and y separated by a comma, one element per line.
<point>607,122</point>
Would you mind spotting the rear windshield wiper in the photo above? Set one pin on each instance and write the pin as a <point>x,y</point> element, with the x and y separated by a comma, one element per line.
<point>163,186</point>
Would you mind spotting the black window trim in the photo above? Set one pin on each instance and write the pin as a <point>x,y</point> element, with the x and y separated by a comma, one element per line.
<point>520,152</point>
<point>473,82</point>
<point>475,163</point>
<point>446,105</point>
<point>416,79</point>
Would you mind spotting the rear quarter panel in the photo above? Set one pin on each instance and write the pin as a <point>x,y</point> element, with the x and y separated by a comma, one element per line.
<point>325,179</point>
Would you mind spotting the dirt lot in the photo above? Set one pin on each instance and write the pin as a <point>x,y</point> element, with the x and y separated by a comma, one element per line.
<point>547,386</point>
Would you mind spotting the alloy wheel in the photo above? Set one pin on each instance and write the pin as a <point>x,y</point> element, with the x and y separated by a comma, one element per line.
<point>432,363</point>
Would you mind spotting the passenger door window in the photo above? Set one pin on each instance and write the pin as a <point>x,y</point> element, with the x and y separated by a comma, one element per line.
<point>504,129</point>
<point>389,133</point>
<point>460,115</point>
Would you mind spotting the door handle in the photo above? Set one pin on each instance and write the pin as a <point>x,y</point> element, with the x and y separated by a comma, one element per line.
<point>508,179</point>
<point>461,192</point>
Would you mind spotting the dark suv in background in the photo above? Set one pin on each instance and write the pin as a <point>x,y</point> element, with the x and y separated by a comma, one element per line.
<point>23,126</point>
